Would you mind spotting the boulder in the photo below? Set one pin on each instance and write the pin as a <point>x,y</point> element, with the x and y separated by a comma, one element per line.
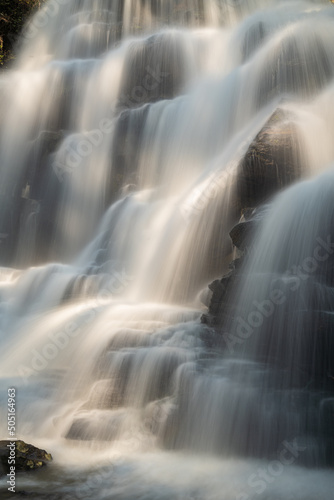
<point>254,37</point>
<point>102,426</point>
<point>125,153</point>
<point>294,66</point>
<point>220,304</point>
<point>242,234</point>
<point>176,12</point>
<point>272,161</point>
<point>154,70</point>
<point>27,456</point>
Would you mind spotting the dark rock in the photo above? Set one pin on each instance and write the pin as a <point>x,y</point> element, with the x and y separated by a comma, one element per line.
<point>243,233</point>
<point>295,66</point>
<point>177,11</point>
<point>253,39</point>
<point>27,456</point>
<point>17,209</point>
<point>272,162</point>
<point>41,148</point>
<point>102,33</point>
<point>104,427</point>
<point>211,337</point>
<point>205,297</point>
<point>129,131</point>
<point>30,208</point>
<point>222,291</point>
<point>116,368</point>
<point>169,433</point>
<point>105,394</point>
<point>311,363</point>
<point>156,414</point>
<point>154,70</point>
<point>222,306</point>
<point>48,141</point>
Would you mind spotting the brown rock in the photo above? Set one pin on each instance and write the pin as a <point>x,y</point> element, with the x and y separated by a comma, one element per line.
<point>27,457</point>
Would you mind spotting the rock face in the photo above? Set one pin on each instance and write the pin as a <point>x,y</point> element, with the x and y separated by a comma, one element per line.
<point>292,338</point>
<point>154,70</point>
<point>27,456</point>
<point>243,233</point>
<point>31,206</point>
<point>307,307</point>
<point>242,236</point>
<point>272,162</point>
<point>125,153</point>
<point>254,37</point>
<point>295,68</point>
<point>221,293</point>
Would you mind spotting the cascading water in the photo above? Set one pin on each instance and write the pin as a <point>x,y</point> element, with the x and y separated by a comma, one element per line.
<point>123,133</point>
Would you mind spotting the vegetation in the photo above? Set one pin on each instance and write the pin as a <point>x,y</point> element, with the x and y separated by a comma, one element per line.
<point>13,15</point>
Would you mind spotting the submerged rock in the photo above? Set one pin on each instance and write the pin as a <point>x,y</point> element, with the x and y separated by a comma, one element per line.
<point>101,426</point>
<point>27,457</point>
<point>154,70</point>
<point>295,66</point>
<point>125,153</point>
<point>254,38</point>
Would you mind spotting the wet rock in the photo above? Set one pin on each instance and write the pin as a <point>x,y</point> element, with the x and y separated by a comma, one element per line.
<point>243,233</point>
<point>125,153</point>
<point>105,394</point>
<point>127,338</point>
<point>156,414</point>
<point>310,363</point>
<point>30,209</point>
<point>222,303</point>
<point>177,11</point>
<point>272,162</point>
<point>169,432</point>
<point>222,293</point>
<point>42,147</point>
<point>27,456</point>
<point>205,297</point>
<point>100,425</point>
<point>293,67</point>
<point>254,37</point>
<point>163,369</point>
<point>115,367</point>
<point>48,141</point>
<point>154,70</point>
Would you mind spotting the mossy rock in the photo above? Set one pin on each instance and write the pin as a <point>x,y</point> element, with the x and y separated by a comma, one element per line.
<point>27,457</point>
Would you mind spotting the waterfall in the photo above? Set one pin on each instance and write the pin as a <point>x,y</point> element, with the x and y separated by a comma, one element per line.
<point>129,147</point>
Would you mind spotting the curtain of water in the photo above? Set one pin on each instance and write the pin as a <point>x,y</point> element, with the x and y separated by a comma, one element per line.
<point>123,127</point>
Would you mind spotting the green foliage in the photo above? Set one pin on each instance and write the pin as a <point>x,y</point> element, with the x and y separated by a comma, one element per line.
<point>13,15</point>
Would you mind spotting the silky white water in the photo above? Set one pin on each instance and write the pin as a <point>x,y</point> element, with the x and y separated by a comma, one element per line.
<point>123,126</point>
